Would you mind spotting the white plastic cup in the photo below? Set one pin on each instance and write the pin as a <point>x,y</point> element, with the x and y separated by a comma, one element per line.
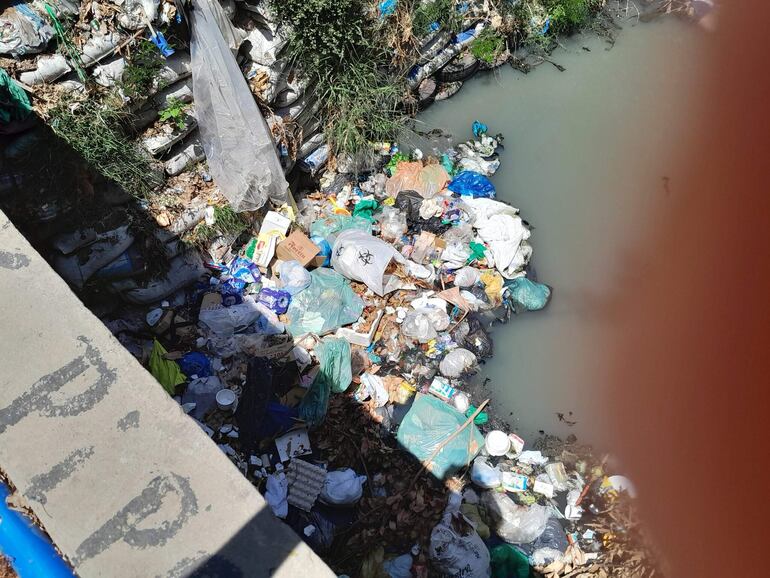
<point>497,443</point>
<point>226,399</point>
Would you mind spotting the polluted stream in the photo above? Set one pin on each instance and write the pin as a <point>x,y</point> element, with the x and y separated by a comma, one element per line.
<point>587,155</point>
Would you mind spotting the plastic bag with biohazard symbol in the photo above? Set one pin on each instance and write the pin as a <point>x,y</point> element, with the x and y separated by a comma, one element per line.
<point>360,257</point>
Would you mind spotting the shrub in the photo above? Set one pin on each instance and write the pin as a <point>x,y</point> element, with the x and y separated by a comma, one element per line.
<point>488,46</point>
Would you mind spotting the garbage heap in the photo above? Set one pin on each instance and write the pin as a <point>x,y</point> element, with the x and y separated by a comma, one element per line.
<point>330,357</point>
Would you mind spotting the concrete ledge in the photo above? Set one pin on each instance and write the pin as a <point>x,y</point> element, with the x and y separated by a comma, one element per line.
<point>123,481</point>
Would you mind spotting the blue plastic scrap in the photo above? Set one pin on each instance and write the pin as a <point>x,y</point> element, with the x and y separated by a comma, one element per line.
<point>387,7</point>
<point>161,43</point>
<point>31,554</point>
<point>471,183</point>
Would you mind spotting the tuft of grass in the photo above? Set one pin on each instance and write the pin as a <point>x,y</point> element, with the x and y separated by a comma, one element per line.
<point>488,46</point>
<point>227,223</point>
<point>337,46</point>
<point>97,131</point>
<point>142,66</point>
<point>444,12</point>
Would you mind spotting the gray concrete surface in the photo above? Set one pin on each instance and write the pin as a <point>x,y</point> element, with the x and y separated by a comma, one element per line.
<point>124,482</point>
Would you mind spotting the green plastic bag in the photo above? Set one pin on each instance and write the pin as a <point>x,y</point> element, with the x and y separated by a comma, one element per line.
<point>14,102</point>
<point>508,562</point>
<point>334,355</point>
<point>365,209</point>
<point>334,224</point>
<point>429,423</point>
<point>335,375</point>
<point>528,295</point>
<point>166,371</point>
<point>328,303</point>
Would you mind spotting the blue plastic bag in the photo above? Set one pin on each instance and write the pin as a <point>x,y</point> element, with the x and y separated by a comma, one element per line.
<point>471,183</point>
<point>195,363</point>
<point>528,295</point>
<point>479,129</point>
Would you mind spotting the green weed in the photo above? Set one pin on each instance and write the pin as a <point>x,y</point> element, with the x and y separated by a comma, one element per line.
<point>142,66</point>
<point>96,130</point>
<point>444,12</point>
<point>488,46</point>
<point>227,223</point>
<point>174,112</point>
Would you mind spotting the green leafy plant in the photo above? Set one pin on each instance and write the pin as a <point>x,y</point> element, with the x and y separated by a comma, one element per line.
<point>444,12</point>
<point>96,129</point>
<point>142,66</point>
<point>567,15</point>
<point>174,112</point>
<point>488,46</point>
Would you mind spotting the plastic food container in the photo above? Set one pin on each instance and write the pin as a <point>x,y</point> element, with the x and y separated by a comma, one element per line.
<point>497,443</point>
<point>226,399</point>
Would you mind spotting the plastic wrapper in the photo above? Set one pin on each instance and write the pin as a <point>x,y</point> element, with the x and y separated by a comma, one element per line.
<point>239,147</point>
<point>277,493</point>
<point>328,303</point>
<point>457,362</point>
<point>361,257</point>
<point>392,224</point>
<point>342,488</point>
<point>528,295</point>
<point>424,324</point>
<point>470,183</point>
<point>514,523</point>
<point>430,422</point>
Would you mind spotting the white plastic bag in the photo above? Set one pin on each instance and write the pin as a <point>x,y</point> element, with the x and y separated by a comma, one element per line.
<point>225,321</point>
<point>514,523</point>
<point>277,493</point>
<point>202,392</point>
<point>360,257</point>
<point>484,475</point>
<point>342,487</point>
<point>456,362</point>
<point>467,277</point>
<point>239,147</point>
<point>265,46</point>
<point>400,567</point>
<point>372,387</point>
<point>506,236</point>
<point>456,549</point>
<point>294,277</point>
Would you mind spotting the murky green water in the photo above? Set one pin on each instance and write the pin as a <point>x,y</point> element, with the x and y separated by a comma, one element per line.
<point>587,153</point>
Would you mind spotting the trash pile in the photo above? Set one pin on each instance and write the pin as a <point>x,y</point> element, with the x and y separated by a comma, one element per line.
<point>330,356</point>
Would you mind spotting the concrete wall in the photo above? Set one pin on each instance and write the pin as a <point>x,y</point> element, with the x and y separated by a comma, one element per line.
<point>123,481</point>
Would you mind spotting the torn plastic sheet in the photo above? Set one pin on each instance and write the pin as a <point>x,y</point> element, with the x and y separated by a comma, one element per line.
<point>239,147</point>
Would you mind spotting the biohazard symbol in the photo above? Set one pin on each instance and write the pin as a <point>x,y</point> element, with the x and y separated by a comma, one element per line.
<point>365,257</point>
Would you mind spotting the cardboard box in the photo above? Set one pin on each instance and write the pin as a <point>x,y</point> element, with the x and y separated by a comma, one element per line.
<point>297,247</point>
